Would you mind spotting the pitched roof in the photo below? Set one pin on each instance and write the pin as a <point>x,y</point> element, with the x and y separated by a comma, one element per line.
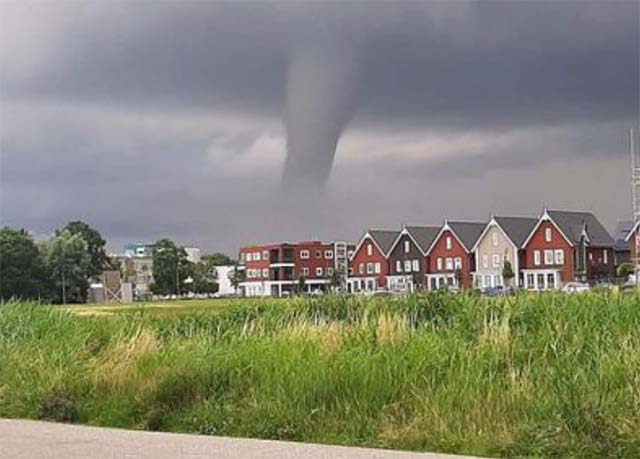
<point>467,232</point>
<point>572,224</point>
<point>622,230</point>
<point>423,235</point>
<point>517,228</point>
<point>384,238</point>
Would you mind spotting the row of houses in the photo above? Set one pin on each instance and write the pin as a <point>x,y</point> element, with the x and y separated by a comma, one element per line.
<point>544,253</point>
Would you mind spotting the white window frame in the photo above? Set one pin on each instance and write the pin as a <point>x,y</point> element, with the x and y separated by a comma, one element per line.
<point>548,257</point>
<point>328,254</point>
<point>304,254</point>
<point>377,268</point>
<point>448,243</point>
<point>249,256</point>
<point>361,268</point>
<point>439,264</point>
<point>265,273</point>
<point>256,256</point>
<point>416,265</point>
<point>605,256</point>
<point>305,271</point>
<point>457,263</point>
<point>329,271</point>
<point>399,266</point>
<point>485,261</point>
<point>548,234</point>
<point>369,249</point>
<point>265,254</point>
<point>407,246</point>
<point>495,260</point>
<point>536,258</point>
<point>369,268</point>
<point>559,256</point>
<point>448,263</point>
<point>319,271</point>
<point>407,266</point>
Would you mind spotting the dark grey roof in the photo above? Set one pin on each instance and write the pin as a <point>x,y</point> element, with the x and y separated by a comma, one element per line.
<point>384,238</point>
<point>467,232</point>
<point>517,228</point>
<point>623,228</point>
<point>423,235</point>
<point>573,223</point>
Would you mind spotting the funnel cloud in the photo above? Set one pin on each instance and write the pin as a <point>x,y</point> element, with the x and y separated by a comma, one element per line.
<point>319,102</point>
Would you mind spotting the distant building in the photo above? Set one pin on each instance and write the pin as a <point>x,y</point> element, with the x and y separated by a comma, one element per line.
<point>225,288</point>
<point>622,248</point>
<point>136,267</point>
<point>193,254</point>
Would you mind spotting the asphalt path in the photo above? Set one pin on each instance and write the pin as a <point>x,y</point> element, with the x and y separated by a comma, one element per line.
<point>42,440</point>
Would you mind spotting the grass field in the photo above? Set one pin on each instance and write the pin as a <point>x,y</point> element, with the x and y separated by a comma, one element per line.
<point>528,376</point>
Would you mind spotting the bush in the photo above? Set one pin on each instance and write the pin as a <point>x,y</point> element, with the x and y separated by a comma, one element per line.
<point>57,407</point>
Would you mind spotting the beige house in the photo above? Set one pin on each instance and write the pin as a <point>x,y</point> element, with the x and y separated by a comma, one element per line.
<point>501,241</point>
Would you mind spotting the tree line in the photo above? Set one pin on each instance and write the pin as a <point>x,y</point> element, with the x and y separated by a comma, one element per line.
<point>60,268</point>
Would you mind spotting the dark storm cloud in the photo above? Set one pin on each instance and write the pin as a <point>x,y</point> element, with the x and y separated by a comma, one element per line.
<point>165,118</point>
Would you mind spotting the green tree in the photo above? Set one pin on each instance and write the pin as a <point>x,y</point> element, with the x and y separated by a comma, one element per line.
<point>507,273</point>
<point>170,268</point>
<point>236,277</point>
<point>67,262</point>
<point>624,270</point>
<point>217,259</point>
<point>301,285</point>
<point>21,266</point>
<point>205,276</point>
<point>335,279</point>
<point>95,246</point>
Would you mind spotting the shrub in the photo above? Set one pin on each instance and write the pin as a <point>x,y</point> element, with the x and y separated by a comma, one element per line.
<point>59,408</point>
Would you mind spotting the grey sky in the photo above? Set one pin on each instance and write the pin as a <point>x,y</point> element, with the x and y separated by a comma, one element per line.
<point>151,119</point>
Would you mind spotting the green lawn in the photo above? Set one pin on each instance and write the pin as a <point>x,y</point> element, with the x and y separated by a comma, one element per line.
<point>528,376</point>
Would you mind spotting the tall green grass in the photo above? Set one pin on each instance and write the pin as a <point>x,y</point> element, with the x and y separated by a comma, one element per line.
<point>528,376</point>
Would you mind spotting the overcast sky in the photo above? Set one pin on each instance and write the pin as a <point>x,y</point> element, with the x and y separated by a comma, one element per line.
<point>154,119</point>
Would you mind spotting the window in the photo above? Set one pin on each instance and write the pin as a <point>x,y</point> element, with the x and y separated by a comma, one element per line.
<point>407,266</point>
<point>457,263</point>
<point>497,280</point>
<point>328,254</point>
<point>449,244</point>
<point>449,264</point>
<point>318,253</point>
<point>265,255</point>
<point>591,256</point>
<point>304,254</point>
<point>329,271</point>
<point>605,258</point>
<point>305,271</point>
<point>369,268</point>
<point>249,257</point>
<point>242,257</point>
<point>256,256</point>
<point>495,260</point>
<point>361,268</point>
<point>494,238</point>
<point>377,268</point>
<point>439,263</point>
<point>485,261</point>
<point>398,266</point>
<point>530,281</point>
<point>548,257</point>
<point>319,271</point>
<point>416,266</point>
<point>487,281</point>
<point>559,255</point>
<point>547,235</point>
<point>536,257</point>
<point>265,273</point>
<point>369,250</point>
<point>551,280</point>
<point>406,246</point>
<point>540,281</point>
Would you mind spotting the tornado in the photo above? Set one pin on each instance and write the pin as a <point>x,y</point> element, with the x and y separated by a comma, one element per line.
<point>319,103</point>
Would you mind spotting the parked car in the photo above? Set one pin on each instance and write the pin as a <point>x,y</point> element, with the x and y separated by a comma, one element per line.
<point>498,291</point>
<point>575,287</point>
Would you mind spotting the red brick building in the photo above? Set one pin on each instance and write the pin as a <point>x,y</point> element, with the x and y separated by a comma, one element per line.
<point>369,267</point>
<point>565,247</point>
<point>276,269</point>
<point>450,259</point>
<point>407,258</point>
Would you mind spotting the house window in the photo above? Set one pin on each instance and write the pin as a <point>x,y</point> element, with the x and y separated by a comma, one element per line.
<point>369,250</point>
<point>406,246</point>
<point>536,257</point>
<point>547,235</point>
<point>369,268</point>
<point>591,257</point>
<point>487,281</point>
<point>457,263</point>
<point>416,266</point>
<point>497,280</point>
<point>328,254</point>
<point>249,257</point>
<point>305,271</point>
<point>319,271</point>
<point>265,255</point>
<point>361,268</point>
<point>449,264</point>
<point>605,258</point>
<point>407,266</point>
<point>530,281</point>
<point>398,266</point>
<point>242,257</point>
<point>551,280</point>
<point>256,256</point>
<point>329,271</point>
<point>449,243</point>
<point>559,255</point>
<point>318,253</point>
<point>494,238</point>
<point>377,268</point>
<point>439,263</point>
<point>548,257</point>
<point>495,260</point>
<point>540,279</point>
<point>485,261</point>
<point>265,273</point>
<point>304,254</point>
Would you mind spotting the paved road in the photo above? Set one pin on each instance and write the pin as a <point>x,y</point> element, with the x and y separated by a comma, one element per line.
<point>41,440</point>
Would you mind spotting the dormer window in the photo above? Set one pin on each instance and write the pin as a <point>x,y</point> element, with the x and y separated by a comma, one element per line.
<point>547,235</point>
